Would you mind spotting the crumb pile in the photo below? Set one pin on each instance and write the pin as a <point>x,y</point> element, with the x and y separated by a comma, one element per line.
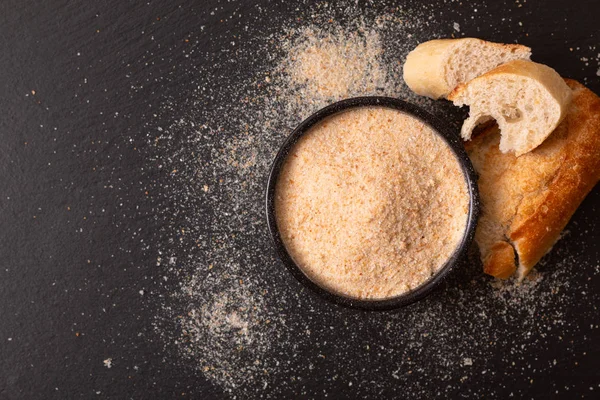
<point>371,203</point>
<point>234,315</point>
<point>336,65</point>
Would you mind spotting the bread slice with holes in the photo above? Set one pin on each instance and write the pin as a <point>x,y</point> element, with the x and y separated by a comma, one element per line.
<point>528,200</point>
<point>436,67</point>
<point>528,100</point>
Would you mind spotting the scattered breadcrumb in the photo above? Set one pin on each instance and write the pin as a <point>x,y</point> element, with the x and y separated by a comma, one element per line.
<point>236,317</point>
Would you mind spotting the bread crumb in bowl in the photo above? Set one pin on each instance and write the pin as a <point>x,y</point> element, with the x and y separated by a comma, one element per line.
<point>371,203</point>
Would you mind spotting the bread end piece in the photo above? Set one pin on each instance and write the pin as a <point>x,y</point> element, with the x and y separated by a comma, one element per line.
<point>528,101</point>
<point>436,67</point>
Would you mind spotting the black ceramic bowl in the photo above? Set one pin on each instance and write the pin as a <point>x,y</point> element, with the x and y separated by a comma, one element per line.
<point>439,127</point>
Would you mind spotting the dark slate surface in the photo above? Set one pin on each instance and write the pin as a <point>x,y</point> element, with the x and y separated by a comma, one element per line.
<point>75,170</point>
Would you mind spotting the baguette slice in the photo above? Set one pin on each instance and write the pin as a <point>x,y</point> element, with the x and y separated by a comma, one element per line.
<point>436,67</point>
<point>528,100</point>
<point>528,200</point>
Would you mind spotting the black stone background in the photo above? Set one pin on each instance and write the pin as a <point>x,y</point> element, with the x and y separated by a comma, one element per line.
<point>78,148</point>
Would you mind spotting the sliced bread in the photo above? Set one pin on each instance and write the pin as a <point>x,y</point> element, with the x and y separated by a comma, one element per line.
<point>528,100</point>
<point>528,200</point>
<point>436,67</point>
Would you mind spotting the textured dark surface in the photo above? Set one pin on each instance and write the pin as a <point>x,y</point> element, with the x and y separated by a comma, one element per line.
<point>78,200</point>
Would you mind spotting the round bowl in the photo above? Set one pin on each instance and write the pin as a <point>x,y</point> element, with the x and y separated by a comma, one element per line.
<point>457,148</point>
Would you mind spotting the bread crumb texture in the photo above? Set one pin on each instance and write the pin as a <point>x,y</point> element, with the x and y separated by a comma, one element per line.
<point>371,203</point>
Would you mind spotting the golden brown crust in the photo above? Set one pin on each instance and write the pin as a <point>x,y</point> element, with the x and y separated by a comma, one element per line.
<point>527,201</point>
<point>456,91</point>
<point>500,261</point>
<point>578,174</point>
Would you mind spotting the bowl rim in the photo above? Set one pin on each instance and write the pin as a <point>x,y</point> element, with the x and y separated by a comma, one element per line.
<point>443,130</point>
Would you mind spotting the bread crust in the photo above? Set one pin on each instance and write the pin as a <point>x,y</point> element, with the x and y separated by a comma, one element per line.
<point>425,67</point>
<point>500,261</point>
<point>549,183</point>
<point>535,235</point>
